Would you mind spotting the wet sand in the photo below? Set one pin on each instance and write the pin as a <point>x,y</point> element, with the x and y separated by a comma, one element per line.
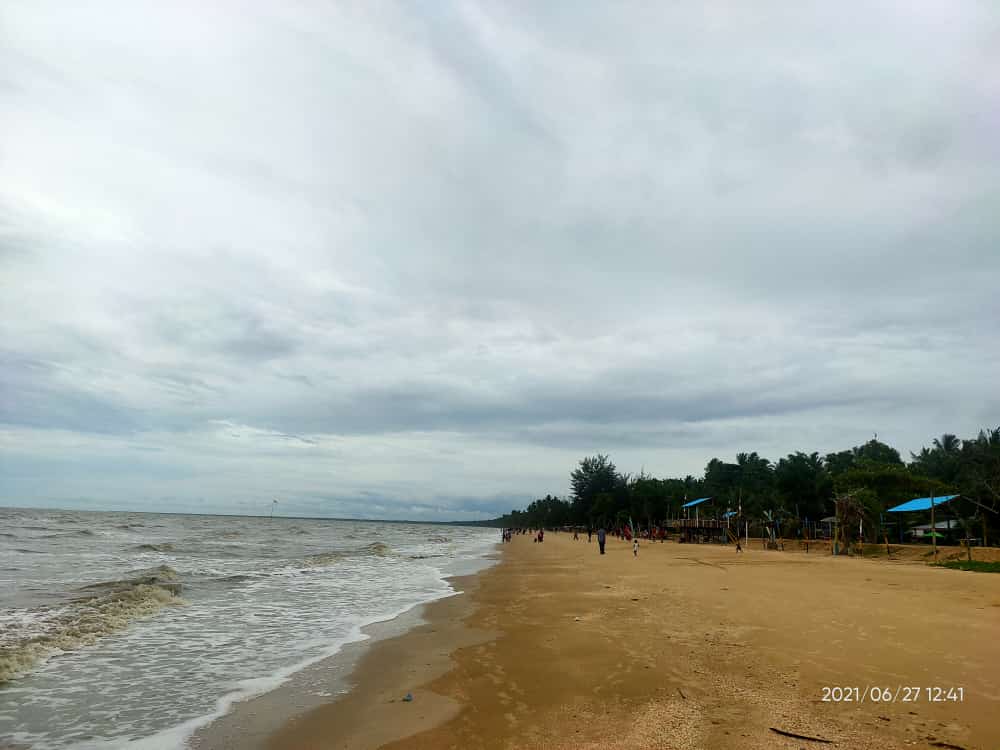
<point>686,646</point>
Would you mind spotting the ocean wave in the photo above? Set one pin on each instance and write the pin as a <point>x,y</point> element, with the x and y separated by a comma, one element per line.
<point>439,539</point>
<point>238,578</point>
<point>104,608</point>
<point>163,576</point>
<point>9,536</point>
<point>323,559</point>
<point>163,547</point>
<point>64,534</point>
<point>27,551</point>
<point>329,558</point>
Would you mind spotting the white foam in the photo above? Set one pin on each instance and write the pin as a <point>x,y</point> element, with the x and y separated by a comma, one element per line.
<point>158,682</point>
<point>176,737</point>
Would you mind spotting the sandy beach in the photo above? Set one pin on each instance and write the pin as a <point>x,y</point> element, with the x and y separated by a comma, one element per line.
<point>686,646</point>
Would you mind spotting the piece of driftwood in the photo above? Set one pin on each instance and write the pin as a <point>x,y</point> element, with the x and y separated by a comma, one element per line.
<point>783,733</point>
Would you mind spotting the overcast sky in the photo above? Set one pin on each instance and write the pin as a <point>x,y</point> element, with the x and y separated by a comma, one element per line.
<point>417,259</point>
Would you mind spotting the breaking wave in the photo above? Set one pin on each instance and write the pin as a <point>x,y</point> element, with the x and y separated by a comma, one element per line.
<point>324,558</point>
<point>329,558</point>
<point>378,548</point>
<point>102,609</point>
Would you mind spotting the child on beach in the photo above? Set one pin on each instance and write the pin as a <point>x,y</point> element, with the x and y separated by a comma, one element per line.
<point>635,547</point>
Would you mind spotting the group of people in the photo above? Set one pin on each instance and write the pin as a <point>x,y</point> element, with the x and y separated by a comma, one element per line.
<point>507,534</point>
<point>602,537</point>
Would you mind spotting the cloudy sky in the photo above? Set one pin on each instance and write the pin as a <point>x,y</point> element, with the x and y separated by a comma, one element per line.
<point>416,259</point>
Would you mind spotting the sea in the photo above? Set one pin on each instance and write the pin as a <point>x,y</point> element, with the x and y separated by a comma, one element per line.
<point>133,630</point>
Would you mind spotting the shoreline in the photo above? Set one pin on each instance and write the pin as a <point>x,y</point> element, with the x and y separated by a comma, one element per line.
<point>250,722</point>
<point>372,712</point>
<point>686,646</point>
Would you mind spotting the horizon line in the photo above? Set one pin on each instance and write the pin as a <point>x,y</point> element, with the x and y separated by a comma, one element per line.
<point>241,515</point>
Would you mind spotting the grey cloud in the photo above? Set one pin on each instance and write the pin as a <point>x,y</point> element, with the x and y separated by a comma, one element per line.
<point>29,398</point>
<point>390,248</point>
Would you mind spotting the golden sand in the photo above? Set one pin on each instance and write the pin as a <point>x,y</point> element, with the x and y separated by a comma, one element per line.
<point>686,646</point>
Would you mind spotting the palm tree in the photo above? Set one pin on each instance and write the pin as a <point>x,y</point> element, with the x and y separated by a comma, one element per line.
<point>947,443</point>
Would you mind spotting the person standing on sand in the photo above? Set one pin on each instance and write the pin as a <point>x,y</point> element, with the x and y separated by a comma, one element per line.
<point>601,537</point>
<point>590,531</point>
<point>635,547</point>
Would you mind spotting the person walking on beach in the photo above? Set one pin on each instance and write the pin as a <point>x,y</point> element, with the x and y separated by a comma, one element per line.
<point>590,532</point>
<point>601,537</point>
<point>635,547</point>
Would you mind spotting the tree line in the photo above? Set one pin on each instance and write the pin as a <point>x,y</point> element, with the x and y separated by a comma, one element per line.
<point>797,487</point>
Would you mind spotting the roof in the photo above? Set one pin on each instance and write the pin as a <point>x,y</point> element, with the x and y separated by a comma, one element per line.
<point>921,503</point>
<point>828,519</point>
<point>695,502</point>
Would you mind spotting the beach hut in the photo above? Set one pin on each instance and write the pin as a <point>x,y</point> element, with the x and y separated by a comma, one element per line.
<point>699,528</point>
<point>922,504</point>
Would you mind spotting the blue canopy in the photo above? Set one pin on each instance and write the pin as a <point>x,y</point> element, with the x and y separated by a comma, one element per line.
<point>695,502</point>
<point>729,514</point>
<point>921,503</point>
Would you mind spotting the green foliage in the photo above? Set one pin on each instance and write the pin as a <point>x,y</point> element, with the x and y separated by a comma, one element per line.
<point>595,476</point>
<point>803,484</point>
<point>872,453</point>
<point>800,485</point>
<point>837,463</point>
<point>892,485</point>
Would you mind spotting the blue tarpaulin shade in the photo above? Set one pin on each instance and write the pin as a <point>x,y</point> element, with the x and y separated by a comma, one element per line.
<point>695,502</point>
<point>921,503</point>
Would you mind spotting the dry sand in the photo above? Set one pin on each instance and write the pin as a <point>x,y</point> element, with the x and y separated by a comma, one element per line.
<point>687,646</point>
